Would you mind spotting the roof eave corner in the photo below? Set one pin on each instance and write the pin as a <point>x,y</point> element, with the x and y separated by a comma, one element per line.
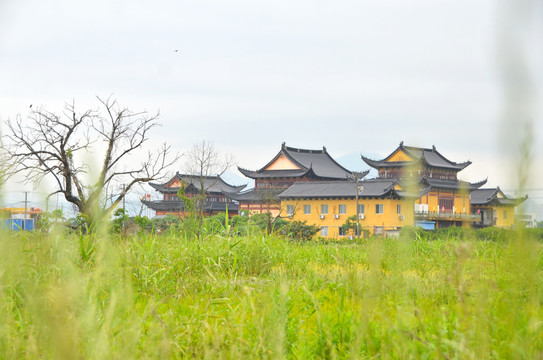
<point>477,185</point>
<point>370,162</point>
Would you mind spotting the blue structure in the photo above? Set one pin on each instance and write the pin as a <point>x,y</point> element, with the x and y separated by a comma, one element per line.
<point>426,225</point>
<point>18,224</point>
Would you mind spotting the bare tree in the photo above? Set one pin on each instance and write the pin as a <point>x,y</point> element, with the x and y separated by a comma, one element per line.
<point>205,165</point>
<point>59,148</point>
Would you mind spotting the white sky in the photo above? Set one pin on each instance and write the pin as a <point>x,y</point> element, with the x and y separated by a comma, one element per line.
<point>355,76</point>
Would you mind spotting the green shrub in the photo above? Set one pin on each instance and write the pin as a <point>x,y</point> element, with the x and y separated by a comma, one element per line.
<point>299,230</point>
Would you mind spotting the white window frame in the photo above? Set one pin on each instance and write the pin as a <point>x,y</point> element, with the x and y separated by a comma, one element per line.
<point>307,209</point>
<point>379,207</point>
<point>324,230</point>
<point>342,209</point>
<point>324,209</point>
<point>290,210</point>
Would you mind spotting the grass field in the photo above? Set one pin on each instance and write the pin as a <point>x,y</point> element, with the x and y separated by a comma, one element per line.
<point>72,296</point>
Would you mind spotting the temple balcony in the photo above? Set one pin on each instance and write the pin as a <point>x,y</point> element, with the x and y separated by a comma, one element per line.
<point>450,216</point>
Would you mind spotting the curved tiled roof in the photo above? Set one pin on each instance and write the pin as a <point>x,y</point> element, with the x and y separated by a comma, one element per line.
<point>319,162</point>
<point>490,196</point>
<point>257,195</point>
<point>430,157</point>
<point>212,184</point>
<point>325,189</point>
<point>163,205</point>
<point>453,184</point>
<point>272,173</point>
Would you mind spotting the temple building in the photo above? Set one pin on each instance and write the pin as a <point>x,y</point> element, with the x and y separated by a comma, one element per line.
<point>215,189</point>
<point>494,208</point>
<point>289,166</point>
<point>382,206</point>
<point>447,203</point>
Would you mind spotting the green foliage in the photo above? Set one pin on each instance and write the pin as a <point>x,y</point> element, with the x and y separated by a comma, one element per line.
<point>51,219</point>
<point>86,248</point>
<point>143,222</point>
<point>80,223</point>
<point>267,222</point>
<point>167,222</point>
<point>350,227</point>
<point>148,296</point>
<point>350,224</point>
<point>119,218</point>
<point>299,230</point>
<point>44,223</point>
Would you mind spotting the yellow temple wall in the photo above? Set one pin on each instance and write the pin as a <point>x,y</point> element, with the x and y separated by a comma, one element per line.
<point>462,203</point>
<point>389,219</point>
<point>506,221</point>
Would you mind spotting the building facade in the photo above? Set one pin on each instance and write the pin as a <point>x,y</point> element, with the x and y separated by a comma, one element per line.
<point>447,203</point>
<point>215,189</point>
<point>288,167</point>
<point>494,208</point>
<point>381,207</point>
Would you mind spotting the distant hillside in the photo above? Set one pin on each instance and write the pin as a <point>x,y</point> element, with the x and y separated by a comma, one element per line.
<point>235,178</point>
<point>354,162</point>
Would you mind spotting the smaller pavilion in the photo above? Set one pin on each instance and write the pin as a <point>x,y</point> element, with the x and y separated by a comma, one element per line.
<point>494,208</point>
<point>214,187</point>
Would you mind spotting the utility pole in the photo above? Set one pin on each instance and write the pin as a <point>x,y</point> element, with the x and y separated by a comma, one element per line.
<point>358,190</point>
<point>124,209</point>
<point>26,206</point>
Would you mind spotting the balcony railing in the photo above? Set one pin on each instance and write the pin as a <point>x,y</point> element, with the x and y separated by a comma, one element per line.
<point>447,216</point>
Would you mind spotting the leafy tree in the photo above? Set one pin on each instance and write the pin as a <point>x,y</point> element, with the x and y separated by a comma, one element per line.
<point>299,230</point>
<point>49,219</point>
<point>164,223</point>
<point>120,217</point>
<point>267,222</point>
<point>143,222</point>
<point>350,225</point>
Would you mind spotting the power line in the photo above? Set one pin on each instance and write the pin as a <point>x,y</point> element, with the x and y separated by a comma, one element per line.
<point>527,189</point>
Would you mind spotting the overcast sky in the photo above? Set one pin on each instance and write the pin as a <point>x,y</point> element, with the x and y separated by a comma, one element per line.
<point>355,76</point>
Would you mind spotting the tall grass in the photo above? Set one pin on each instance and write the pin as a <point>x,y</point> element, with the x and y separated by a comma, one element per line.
<point>150,296</point>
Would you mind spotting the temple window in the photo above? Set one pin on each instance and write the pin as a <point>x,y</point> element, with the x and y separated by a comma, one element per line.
<point>290,210</point>
<point>324,231</point>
